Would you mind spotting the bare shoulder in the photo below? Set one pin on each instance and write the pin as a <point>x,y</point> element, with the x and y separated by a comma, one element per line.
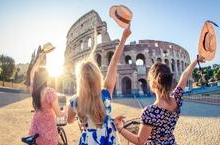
<point>172,106</point>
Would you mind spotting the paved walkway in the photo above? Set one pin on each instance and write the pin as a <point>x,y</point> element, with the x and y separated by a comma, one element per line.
<point>189,108</point>
<point>199,124</point>
<point>7,98</point>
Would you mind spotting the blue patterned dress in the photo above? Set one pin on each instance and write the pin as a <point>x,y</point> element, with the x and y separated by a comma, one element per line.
<point>162,121</point>
<point>98,136</point>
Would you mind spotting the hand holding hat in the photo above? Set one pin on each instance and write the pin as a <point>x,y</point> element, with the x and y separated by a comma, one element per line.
<point>121,14</point>
<point>207,42</point>
<point>47,47</point>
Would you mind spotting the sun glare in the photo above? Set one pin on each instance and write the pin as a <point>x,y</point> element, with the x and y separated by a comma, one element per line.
<point>54,64</point>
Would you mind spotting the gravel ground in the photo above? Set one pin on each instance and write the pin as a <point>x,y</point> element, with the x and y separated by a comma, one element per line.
<point>199,124</point>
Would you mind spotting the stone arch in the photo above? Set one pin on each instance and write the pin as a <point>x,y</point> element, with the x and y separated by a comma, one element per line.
<point>81,45</point>
<point>165,53</point>
<point>152,61</point>
<point>167,62</point>
<point>99,59</point>
<point>178,65</point>
<point>128,59</point>
<point>89,42</point>
<point>126,85</point>
<point>173,65</point>
<point>159,59</point>
<point>109,56</point>
<point>140,59</point>
<point>143,86</point>
<point>182,65</point>
<point>99,38</point>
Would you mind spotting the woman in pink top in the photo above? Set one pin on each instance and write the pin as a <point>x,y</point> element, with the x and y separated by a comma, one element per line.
<point>45,103</point>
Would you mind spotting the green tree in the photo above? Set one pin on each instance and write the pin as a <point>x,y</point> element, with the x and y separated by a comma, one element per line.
<point>217,75</point>
<point>196,75</point>
<point>209,72</point>
<point>7,65</point>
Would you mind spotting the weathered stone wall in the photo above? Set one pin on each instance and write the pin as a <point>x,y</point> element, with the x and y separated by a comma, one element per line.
<point>135,61</point>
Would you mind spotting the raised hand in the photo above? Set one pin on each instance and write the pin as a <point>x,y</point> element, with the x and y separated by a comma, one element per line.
<point>200,59</point>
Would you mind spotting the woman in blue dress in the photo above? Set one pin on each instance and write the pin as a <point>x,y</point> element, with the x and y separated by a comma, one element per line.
<point>159,119</point>
<point>92,103</point>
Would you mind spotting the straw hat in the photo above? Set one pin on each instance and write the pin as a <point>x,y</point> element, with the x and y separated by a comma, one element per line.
<point>121,14</point>
<point>48,47</point>
<point>207,42</point>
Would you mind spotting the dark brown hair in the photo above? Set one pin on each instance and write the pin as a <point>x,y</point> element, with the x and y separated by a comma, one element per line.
<point>39,83</point>
<point>160,78</point>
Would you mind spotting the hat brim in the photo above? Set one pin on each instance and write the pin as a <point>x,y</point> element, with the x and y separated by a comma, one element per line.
<point>112,14</point>
<point>48,49</point>
<point>208,27</point>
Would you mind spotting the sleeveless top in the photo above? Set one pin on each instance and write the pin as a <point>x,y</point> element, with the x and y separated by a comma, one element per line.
<point>106,135</point>
<point>162,121</point>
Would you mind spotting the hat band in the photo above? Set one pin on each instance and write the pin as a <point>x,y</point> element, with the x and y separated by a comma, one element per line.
<point>121,18</point>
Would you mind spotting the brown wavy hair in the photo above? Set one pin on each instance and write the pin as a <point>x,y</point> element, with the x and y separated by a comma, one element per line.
<point>160,78</point>
<point>39,83</point>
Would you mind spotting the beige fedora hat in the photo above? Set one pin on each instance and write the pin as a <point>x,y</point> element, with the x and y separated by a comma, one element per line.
<point>47,47</point>
<point>207,41</point>
<point>121,14</point>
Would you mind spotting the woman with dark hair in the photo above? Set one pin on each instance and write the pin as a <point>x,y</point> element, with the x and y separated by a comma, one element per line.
<point>159,119</point>
<point>45,103</point>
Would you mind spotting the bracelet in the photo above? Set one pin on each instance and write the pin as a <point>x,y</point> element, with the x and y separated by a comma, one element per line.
<point>120,129</point>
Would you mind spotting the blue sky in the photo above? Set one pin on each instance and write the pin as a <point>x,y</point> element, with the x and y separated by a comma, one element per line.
<point>25,24</point>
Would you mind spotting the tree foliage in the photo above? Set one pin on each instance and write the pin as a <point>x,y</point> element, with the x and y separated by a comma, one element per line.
<point>7,65</point>
<point>217,75</point>
<point>207,74</point>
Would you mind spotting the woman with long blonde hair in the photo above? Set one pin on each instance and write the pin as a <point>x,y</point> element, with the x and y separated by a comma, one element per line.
<point>92,102</point>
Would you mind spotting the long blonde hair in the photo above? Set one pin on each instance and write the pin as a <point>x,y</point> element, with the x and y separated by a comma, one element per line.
<point>160,78</point>
<point>89,84</point>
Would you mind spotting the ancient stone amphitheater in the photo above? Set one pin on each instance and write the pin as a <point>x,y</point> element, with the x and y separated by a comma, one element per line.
<point>135,62</point>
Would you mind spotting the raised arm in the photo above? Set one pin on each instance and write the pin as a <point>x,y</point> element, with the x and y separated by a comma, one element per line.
<point>111,75</point>
<point>34,68</point>
<point>188,72</point>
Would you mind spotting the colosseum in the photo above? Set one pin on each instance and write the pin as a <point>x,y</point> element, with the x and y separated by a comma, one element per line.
<point>135,62</point>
